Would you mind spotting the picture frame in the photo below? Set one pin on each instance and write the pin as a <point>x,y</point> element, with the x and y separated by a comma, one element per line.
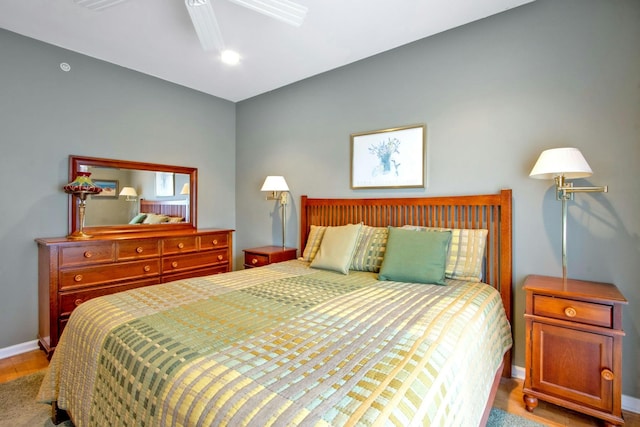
<point>164,184</point>
<point>389,158</point>
<point>110,189</point>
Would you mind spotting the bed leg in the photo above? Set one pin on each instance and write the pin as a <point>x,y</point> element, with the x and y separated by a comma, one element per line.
<point>58,415</point>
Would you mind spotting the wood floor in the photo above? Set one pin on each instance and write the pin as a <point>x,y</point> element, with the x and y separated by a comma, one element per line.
<point>509,397</point>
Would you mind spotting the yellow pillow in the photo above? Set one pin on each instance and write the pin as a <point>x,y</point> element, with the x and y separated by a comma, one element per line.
<point>313,242</point>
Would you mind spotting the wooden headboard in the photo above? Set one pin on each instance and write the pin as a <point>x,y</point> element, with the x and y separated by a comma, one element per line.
<point>165,207</point>
<point>490,211</point>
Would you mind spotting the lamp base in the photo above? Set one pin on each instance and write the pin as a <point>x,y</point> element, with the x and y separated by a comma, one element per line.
<point>78,234</point>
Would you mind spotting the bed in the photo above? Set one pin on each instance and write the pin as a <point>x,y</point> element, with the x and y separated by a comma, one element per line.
<point>161,212</point>
<point>297,343</point>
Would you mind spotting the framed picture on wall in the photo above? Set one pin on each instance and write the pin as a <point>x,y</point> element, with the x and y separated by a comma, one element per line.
<point>109,187</point>
<point>164,184</point>
<point>389,158</point>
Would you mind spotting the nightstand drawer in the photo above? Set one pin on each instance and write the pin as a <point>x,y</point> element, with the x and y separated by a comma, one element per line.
<point>255,260</point>
<point>574,311</point>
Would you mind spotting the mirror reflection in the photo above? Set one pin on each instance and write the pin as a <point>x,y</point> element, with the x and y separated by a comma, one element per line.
<point>126,195</point>
<point>136,196</point>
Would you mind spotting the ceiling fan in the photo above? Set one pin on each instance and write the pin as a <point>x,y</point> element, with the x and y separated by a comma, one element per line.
<point>205,22</point>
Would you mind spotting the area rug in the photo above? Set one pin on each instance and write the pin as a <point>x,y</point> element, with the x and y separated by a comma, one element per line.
<point>18,407</point>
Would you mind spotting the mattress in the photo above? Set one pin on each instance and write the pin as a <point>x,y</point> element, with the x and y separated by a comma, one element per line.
<point>281,345</point>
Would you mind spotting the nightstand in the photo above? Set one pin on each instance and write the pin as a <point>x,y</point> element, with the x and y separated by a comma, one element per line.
<point>574,346</point>
<point>265,255</point>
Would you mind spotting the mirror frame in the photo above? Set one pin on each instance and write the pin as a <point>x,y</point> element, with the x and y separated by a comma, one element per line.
<point>74,165</point>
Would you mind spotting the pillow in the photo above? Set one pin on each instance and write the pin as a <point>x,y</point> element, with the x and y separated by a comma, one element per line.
<point>415,257</point>
<point>336,250</point>
<point>466,252</point>
<point>155,219</point>
<point>370,248</point>
<point>313,242</point>
<point>174,219</point>
<point>138,219</point>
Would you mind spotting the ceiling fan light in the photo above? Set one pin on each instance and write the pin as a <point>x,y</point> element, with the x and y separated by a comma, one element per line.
<point>230,57</point>
<point>284,10</point>
<point>205,23</point>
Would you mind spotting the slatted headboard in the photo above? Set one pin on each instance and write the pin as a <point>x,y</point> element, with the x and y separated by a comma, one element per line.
<point>165,207</point>
<point>489,211</point>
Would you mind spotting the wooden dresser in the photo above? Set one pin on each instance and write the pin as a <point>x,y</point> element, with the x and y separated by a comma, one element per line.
<point>574,346</point>
<point>71,272</point>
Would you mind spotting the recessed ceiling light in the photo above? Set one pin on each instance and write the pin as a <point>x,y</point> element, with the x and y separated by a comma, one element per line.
<point>230,57</point>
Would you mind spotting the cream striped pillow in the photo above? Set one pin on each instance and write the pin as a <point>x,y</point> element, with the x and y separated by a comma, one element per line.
<point>313,242</point>
<point>465,254</point>
<point>370,249</point>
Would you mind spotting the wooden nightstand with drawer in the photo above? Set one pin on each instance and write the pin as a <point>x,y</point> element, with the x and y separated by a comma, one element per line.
<point>265,255</point>
<point>574,346</point>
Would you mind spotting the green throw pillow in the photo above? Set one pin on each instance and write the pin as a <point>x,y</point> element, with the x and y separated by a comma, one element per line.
<point>138,219</point>
<point>412,256</point>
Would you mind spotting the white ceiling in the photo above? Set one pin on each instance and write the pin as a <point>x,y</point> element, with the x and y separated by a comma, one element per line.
<point>156,37</point>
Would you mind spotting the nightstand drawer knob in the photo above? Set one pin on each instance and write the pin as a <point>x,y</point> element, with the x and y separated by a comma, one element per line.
<point>570,312</point>
<point>607,375</point>
<point>254,261</point>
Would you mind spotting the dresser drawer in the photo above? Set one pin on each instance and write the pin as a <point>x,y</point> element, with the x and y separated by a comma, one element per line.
<point>136,249</point>
<point>177,245</point>
<point>192,261</point>
<point>87,276</point>
<point>69,301</point>
<point>574,311</point>
<point>214,241</point>
<point>255,260</point>
<point>186,274</point>
<point>87,254</point>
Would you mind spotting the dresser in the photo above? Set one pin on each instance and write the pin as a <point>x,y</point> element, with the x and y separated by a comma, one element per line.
<point>574,346</point>
<point>265,255</point>
<point>71,272</point>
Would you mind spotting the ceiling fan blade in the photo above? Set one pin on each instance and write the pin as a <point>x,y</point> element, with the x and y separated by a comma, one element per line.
<point>284,10</point>
<point>98,4</point>
<point>205,23</point>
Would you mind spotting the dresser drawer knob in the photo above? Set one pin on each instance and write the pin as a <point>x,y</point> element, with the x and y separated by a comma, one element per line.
<point>174,264</point>
<point>139,249</point>
<point>570,312</point>
<point>180,245</point>
<point>147,268</point>
<point>254,261</point>
<point>214,242</point>
<point>78,301</point>
<point>88,254</point>
<point>220,257</point>
<point>77,278</point>
<point>607,375</point>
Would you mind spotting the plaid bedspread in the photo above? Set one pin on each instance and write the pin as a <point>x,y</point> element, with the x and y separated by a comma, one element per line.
<point>281,345</point>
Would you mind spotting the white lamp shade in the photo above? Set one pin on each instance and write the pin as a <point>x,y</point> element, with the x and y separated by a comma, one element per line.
<point>275,183</point>
<point>185,188</point>
<point>567,162</point>
<point>129,192</point>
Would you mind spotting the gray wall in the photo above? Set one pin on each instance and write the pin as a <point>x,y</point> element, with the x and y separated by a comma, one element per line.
<point>493,95</point>
<point>101,110</point>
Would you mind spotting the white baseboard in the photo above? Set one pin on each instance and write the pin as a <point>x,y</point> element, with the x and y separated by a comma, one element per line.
<point>18,349</point>
<point>631,404</point>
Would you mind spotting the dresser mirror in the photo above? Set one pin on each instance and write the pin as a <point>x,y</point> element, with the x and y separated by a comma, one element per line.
<point>136,196</point>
